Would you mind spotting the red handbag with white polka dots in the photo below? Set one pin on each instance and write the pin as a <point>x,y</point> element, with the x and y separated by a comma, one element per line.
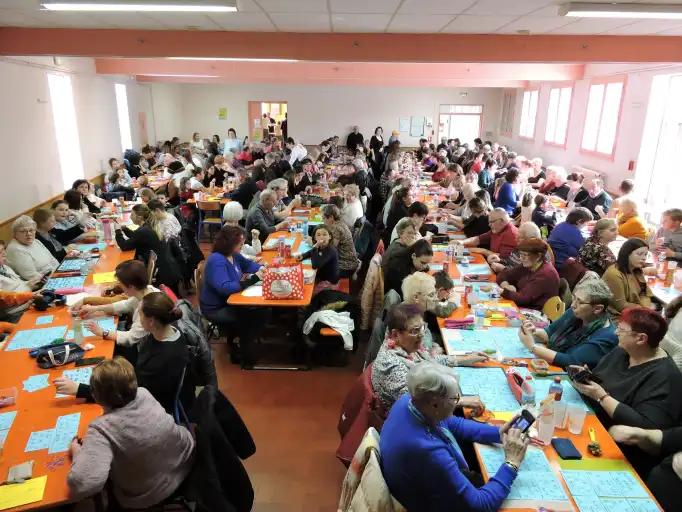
<point>284,282</point>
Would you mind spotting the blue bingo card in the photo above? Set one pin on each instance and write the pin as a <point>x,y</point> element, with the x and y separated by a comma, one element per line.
<point>58,283</point>
<point>34,338</point>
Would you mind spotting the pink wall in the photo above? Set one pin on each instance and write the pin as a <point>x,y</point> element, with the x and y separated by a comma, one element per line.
<point>629,136</point>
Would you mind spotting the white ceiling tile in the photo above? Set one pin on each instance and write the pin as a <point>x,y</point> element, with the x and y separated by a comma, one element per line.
<point>243,21</point>
<point>424,7</point>
<point>645,27</point>
<point>302,6</point>
<point>301,23</point>
<point>360,22</point>
<point>63,19</point>
<point>535,25</point>
<point>15,18</point>
<point>247,6</point>
<point>364,6</point>
<point>182,21</point>
<point>27,5</point>
<point>590,26</point>
<point>465,24</point>
<point>671,32</point>
<point>124,20</point>
<point>507,7</point>
<point>418,23</point>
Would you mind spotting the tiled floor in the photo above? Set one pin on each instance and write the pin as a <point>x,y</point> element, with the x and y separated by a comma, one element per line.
<point>292,417</point>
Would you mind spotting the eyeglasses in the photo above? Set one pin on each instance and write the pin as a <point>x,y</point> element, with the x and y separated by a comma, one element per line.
<point>621,330</point>
<point>417,331</point>
<point>26,231</point>
<point>578,302</point>
<point>492,221</point>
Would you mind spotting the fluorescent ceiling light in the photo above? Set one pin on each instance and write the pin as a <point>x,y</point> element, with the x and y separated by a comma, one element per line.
<point>648,11</point>
<point>143,5</point>
<point>177,76</point>
<point>232,59</point>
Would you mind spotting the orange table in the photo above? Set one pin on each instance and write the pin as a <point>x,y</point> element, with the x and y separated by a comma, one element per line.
<point>39,410</point>
<point>238,299</point>
<point>610,449</point>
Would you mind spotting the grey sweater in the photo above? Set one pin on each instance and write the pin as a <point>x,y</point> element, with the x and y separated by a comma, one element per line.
<point>140,448</point>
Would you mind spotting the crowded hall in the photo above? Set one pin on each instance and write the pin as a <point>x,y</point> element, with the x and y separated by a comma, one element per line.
<point>453,283</point>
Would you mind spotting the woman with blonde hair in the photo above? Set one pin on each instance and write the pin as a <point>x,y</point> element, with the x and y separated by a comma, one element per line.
<point>148,238</point>
<point>595,254</point>
<point>630,224</point>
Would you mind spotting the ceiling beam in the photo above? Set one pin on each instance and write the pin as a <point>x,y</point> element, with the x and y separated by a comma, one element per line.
<point>340,47</point>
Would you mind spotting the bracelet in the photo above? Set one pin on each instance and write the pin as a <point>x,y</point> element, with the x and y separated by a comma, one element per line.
<point>599,400</point>
<point>512,465</point>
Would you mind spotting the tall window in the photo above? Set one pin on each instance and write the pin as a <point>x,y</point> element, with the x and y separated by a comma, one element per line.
<point>601,120</point>
<point>557,115</point>
<point>123,117</point>
<point>66,128</point>
<point>529,112</point>
<point>461,122</point>
<point>508,107</point>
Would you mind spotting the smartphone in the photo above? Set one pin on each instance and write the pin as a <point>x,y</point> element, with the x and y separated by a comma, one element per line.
<point>579,373</point>
<point>89,360</point>
<point>566,449</point>
<point>524,421</point>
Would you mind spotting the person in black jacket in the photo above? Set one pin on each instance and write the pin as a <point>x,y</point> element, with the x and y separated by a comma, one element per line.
<point>162,356</point>
<point>400,202</point>
<point>323,256</point>
<point>146,239</point>
<point>45,223</point>
<point>83,186</point>
<point>244,193</point>
<point>664,479</point>
<point>354,139</point>
<point>67,229</point>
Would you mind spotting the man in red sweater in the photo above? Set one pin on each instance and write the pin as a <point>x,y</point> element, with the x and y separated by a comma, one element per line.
<point>502,238</point>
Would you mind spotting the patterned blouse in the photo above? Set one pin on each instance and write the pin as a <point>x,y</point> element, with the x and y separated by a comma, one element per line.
<point>343,240</point>
<point>596,256</point>
<point>392,365</point>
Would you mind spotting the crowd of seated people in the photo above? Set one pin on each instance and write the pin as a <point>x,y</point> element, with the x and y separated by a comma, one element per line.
<point>503,203</point>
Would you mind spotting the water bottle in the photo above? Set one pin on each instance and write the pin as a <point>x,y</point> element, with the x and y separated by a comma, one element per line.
<point>99,230</point>
<point>528,393</point>
<point>305,228</point>
<point>556,389</point>
<point>78,331</point>
<point>106,227</point>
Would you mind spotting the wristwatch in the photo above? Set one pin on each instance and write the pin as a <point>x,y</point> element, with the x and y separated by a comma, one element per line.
<point>105,335</point>
<point>601,398</point>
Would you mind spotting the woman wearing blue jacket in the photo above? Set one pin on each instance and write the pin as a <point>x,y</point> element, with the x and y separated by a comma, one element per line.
<point>420,459</point>
<point>507,197</point>
<point>227,272</point>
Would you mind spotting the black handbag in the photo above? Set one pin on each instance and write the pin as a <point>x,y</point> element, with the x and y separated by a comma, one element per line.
<point>58,355</point>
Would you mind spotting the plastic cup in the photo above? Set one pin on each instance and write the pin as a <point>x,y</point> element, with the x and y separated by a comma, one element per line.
<point>560,415</point>
<point>576,419</point>
<point>546,428</point>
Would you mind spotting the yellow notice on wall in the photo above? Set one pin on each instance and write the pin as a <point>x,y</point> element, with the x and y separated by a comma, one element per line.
<point>30,491</point>
<point>222,114</point>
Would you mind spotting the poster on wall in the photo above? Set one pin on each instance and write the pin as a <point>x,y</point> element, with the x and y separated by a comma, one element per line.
<point>429,122</point>
<point>222,114</point>
<point>417,126</point>
<point>404,124</point>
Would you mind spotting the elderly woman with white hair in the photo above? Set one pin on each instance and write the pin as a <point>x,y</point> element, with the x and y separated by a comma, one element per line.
<point>555,183</point>
<point>352,209</point>
<point>403,348</point>
<point>421,460</point>
<point>582,335</point>
<point>630,224</point>
<point>280,187</point>
<point>538,175</point>
<point>27,256</point>
<point>232,214</point>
